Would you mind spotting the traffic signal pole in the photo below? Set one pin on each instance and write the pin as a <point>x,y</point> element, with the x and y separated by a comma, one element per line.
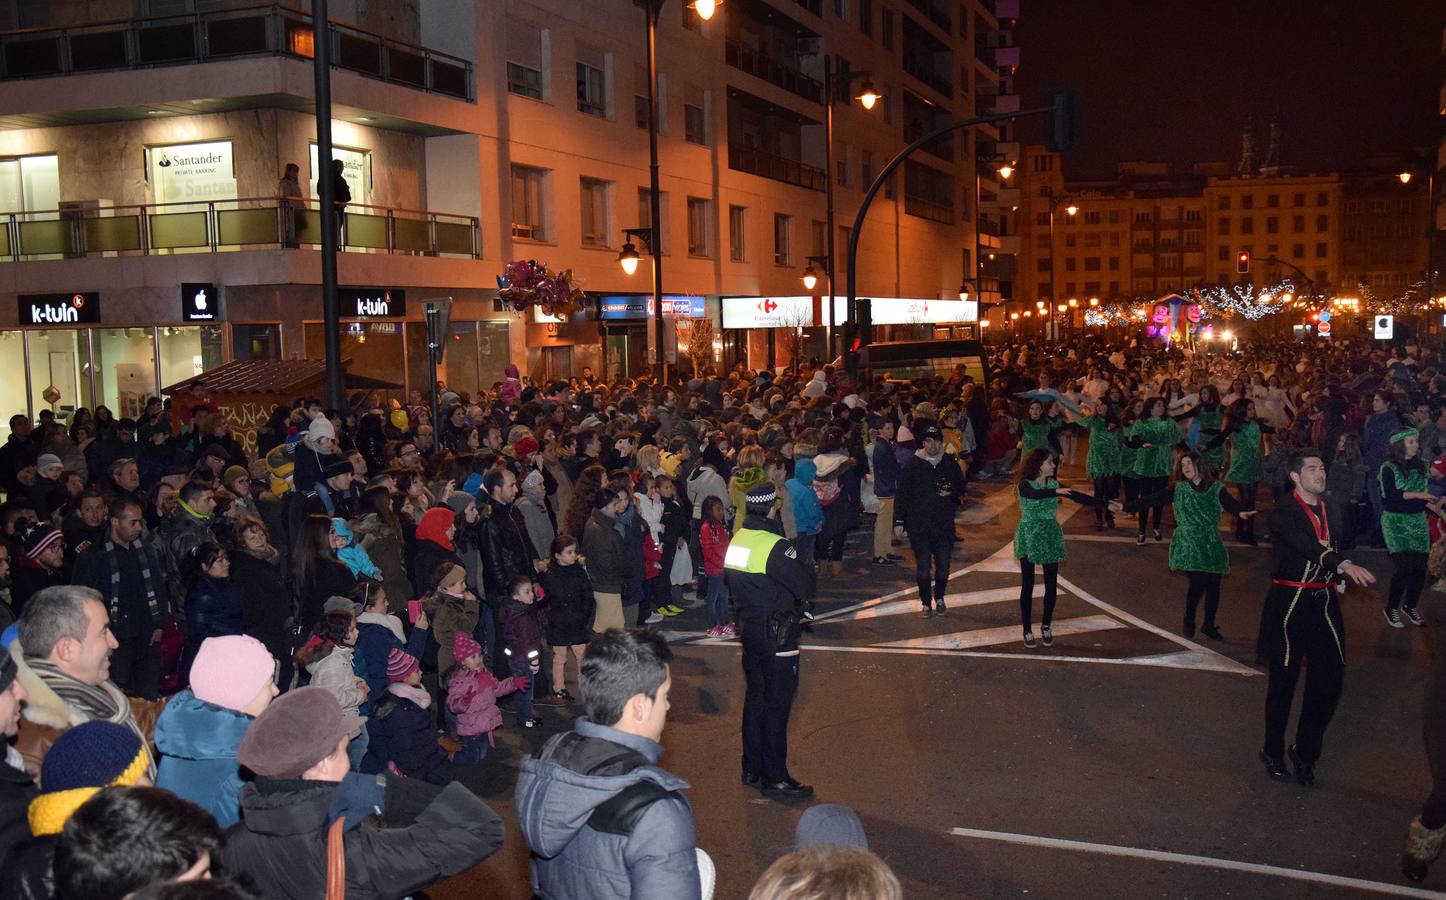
<point>850,355</point>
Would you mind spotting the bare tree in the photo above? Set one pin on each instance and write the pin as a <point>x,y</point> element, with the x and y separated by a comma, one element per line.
<point>695,341</point>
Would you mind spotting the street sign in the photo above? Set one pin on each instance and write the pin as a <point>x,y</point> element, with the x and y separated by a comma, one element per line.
<point>1385,326</point>
<point>1323,328</point>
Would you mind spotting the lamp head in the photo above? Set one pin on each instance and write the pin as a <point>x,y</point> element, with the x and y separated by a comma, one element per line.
<point>1006,170</point>
<point>1071,209</point>
<point>705,8</point>
<point>1405,177</point>
<point>868,96</point>
<point>628,258</point>
<point>964,290</point>
<point>810,277</point>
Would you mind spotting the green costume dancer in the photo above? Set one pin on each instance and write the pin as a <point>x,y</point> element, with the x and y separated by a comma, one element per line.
<point>1404,502</point>
<point>1246,467</point>
<point>1196,548</point>
<point>1154,437</point>
<point>1038,539</point>
<point>1104,464</point>
<point>1210,420</point>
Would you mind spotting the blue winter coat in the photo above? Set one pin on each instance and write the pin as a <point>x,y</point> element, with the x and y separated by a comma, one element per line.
<point>197,744</point>
<point>402,732</point>
<point>886,469</point>
<point>375,639</point>
<point>807,511</point>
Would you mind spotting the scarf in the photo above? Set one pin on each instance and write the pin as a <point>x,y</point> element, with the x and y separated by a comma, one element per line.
<point>153,600</point>
<point>191,511</point>
<point>389,622</point>
<point>85,702</point>
<point>412,692</point>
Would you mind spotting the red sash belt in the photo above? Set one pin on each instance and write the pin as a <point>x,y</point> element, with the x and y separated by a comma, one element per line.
<point>1305,585</point>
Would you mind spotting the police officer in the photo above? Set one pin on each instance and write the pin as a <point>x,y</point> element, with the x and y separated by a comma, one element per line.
<point>768,584</point>
<point>1301,619</point>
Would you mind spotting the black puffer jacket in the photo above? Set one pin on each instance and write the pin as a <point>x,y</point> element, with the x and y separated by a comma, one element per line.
<point>570,604</point>
<point>425,834</point>
<point>506,549</point>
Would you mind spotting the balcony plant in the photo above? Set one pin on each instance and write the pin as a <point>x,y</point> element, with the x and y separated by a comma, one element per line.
<point>525,283</point>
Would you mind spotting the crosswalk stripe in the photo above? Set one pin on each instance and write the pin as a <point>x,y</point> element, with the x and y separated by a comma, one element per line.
<point>903,607</point>
<point>984,637</point>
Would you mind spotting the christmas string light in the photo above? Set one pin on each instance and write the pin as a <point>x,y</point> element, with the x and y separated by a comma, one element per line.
<point>1244,300</point>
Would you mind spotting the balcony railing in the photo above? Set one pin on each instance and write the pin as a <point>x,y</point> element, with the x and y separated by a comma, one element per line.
<point>770,70</point>
<point>256,223</point>
<point>939,81</point>
<point>766,165</point>
<point>232,34</point>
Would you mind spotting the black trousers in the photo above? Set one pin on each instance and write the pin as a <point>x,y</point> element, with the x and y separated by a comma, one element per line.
<point>1107,487</point>
<point>1146,487</point>
<point>931,563</point>
<point>772,680</point>
<point>1312,647</point>
<point>1206,586</point>
<point>1408,579</point>
<point>135,667</point>
<point>1026,592</point>
<point>1245,528</point>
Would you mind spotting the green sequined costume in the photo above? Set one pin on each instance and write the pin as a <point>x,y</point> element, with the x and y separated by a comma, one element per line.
<point>1245,462</point>
<point>1103,460</point>
<point>1038,537</point>
<point>1162,435</point>
<point>1209,420</point>
<point>1196,546</point>
<point>1034,435</point>
<point>1404,532</point>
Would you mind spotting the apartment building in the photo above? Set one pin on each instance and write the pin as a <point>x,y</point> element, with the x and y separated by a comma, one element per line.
<point>141,161</point>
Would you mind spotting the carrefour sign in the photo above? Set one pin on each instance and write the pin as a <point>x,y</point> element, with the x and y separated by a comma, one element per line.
<point>907,311</point>
<point>60,309</point>
<point>767,312</point>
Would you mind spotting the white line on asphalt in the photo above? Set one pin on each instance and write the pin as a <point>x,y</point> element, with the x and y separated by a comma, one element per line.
<point>901,607</point>
<point>1380,888</point>
<point>1004,634</point>
<point>1226,664</point>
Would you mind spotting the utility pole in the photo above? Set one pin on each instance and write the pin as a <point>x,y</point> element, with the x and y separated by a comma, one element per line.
<point>321,68</point>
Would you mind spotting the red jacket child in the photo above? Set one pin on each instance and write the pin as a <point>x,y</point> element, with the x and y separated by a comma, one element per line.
<point>713,535</point>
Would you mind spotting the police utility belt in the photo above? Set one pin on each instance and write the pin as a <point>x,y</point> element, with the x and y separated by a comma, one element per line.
<point>748,552</point>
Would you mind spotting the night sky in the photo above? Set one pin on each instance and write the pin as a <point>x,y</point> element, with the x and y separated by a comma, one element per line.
<point>1174,80</point>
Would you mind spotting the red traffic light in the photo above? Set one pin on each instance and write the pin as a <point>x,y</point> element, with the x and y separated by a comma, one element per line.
<point>1242,261</point>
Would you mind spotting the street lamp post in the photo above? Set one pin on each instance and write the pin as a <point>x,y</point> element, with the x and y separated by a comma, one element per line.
<point>1432,231</point>
<point>836,83</point>
<point>1004,171</point>
<point>1071,210</point>
<point>331,319</point>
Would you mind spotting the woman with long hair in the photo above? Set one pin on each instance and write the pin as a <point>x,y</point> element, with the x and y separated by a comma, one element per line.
<point>1405,501</point>
<point>211,609</point>
<point>1154,437</point>
<point>379,532</point>
<point>316,572</point>
<point>1195,547</point>
<point>584,491</point>
<point>1038,539</point>
<point>258,581</point>
<point>1246,466</point>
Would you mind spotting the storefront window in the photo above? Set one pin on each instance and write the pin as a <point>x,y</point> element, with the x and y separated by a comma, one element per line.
<point>125,366</point>
<point>494,351</point>
<point>188,351</point>
<point>375,351</point>
<point>417,376</point>
<point>12,389</point>
<point>256,341</point>
<point>59,358</point>
<point>460,361</point>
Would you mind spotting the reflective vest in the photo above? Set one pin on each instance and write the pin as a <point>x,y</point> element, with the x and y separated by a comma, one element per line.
<point>748,551</point>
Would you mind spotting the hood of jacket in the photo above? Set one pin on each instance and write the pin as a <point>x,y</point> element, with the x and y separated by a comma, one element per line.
<point>743,479</point>
<point>286,807</point>
<point>555,802</point>
<point>371,525</point>
<point>193,729</point>
<point>804,471</point>
<point>388,621</point>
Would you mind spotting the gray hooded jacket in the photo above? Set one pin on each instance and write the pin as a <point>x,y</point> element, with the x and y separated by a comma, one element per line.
<point>572,860</point>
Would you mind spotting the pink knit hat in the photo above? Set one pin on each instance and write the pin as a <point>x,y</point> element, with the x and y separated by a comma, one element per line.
<point>230,671</point>
<point>400,664</point>
<point>463,646</point>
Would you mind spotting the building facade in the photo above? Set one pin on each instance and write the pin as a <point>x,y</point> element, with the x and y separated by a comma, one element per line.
<point>141,163</point>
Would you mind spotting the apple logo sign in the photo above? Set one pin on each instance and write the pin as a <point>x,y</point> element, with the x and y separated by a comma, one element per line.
<point>201,299</point>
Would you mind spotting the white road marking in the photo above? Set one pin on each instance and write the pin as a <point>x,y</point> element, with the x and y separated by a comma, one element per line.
<point>1380,888</point>
<point>1126,539</point>
<point>1005,634</point>
<point>1166,661</point>
<point>991,507</point>
<point>1224,663</point>
<point>901,607</point>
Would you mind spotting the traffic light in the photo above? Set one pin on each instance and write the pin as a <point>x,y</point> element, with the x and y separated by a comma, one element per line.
<point>1242,262</point>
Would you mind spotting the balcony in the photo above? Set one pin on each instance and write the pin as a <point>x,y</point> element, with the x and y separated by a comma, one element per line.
<point>927,58</point>
<point>928,193</point>
<point>232,34</point>
<point>1006,57</point>
<point>257,223</point>
<point>742,158</point>
<point>770,70</point>
<point>937,11</point>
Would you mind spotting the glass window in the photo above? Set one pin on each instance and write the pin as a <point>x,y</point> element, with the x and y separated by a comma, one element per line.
<point>699,222</point>
<point>30,183</point>
<point>594,212</point>
<point>417,377</point>
<point>782,232</point>
<point>356,171</point>
<point>527,203</point>
<point>125,367</point>
<point>188,350</point>
<point>493,351</point>
<point>59,358</point>
<point>592,95</point>
<point>198,172</point>
<point>374,348</point>
<point>256,341</point>
<point>695,116</point>
<point>459,362</point>
<point>524,59</point>
<point>737,234</point>
<point>12,390</point>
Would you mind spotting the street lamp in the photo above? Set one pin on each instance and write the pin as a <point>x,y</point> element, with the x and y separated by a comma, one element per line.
<point>1005,170</point>
<point>810,274</point>
<point>1071,210</point>
<point>628,258</point>
<point>1405,177</point>
<point>964,290</point>
<point>836,83</point>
